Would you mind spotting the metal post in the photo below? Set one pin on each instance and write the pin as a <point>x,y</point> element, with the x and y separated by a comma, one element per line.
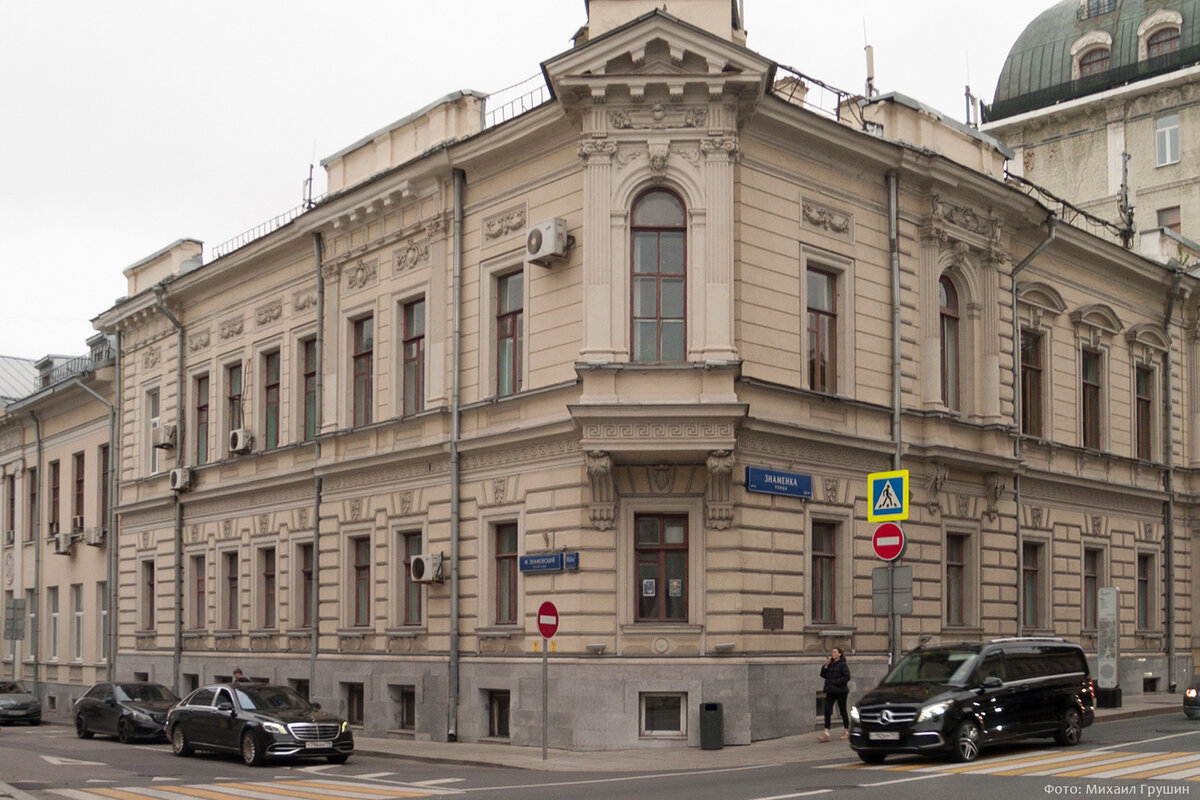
<point>545,693</point>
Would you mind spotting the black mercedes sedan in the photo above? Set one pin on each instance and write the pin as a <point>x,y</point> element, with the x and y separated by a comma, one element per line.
<point>17,704</point>
<point>259,721</point>
<point>129,710</point>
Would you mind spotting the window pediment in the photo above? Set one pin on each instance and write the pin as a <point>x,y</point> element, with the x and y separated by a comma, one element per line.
<point>1097,318</point>
<point>1148,335</point>
<point>1041,296</point>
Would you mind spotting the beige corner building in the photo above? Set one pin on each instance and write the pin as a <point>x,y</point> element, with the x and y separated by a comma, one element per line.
<point>633,348</point>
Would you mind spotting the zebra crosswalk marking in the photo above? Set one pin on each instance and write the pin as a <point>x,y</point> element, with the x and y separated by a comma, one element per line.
<point>364,790</point>
<point>335,791</point>
<point>1154,773</point>
<point>298,790</point>
<point>1097,763</point>
<point>1037,760</point>
<point>1127,767</point>
<point>1061,767</point>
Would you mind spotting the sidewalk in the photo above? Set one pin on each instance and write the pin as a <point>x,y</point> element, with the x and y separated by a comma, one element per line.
<point>790,749</point>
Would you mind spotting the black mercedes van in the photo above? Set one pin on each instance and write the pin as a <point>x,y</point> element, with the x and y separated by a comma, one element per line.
<point>956,698</point>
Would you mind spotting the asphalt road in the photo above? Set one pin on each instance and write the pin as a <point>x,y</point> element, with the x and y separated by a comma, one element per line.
<point>1155,756</point>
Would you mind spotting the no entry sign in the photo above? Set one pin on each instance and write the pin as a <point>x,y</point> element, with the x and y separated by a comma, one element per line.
<point>888,541</point>
<point>547,620</point>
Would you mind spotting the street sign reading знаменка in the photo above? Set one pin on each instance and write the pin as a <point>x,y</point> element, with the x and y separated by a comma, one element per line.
<point>774,481</point>
<point>548,562</point>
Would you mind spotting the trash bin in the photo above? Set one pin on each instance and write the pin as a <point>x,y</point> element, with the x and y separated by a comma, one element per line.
<point>712,727</point>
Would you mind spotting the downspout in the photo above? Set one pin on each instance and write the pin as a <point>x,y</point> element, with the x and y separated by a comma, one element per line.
<point>111,573</point>
<point>460,179</point>
<point>36,514</point>
<point>314,638</point>
<point>897,442</point>
<point>1051,232</point>
<point>113,550</point>
<point>1169,481</point>
<point>177,649</point>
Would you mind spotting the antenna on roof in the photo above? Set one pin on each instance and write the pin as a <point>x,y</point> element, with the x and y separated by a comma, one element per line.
<point>972,101</point>
<point>869,90</point>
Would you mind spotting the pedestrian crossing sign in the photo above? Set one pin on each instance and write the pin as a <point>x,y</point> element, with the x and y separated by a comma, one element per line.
<point>888,494</point>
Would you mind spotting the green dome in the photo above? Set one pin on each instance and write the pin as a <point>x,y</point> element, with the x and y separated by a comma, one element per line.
<point>1037,72</point>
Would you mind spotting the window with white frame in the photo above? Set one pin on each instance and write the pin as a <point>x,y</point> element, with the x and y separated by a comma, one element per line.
<point>1032,383</point>
<point>950,342</point>
<point>1034,575</point>
<point>202,398</point>
<point>1093,579</point>
<point>267,600</point>
<point>1091,399</point>
<point>152,423</point>
<point>412,347</point>
<point>510,323</point>
<point>308,358</point>
<point>362,363</point>
<point>1147,594</point>
<point>52,610</point>
<point>505,539</point>
<point>271,399</point>
<point>663,713</point>
<point>147,594</point>
<point>77,621</point>
<point>1166,140</point>
<point>197,579</point>
<point>231,601</point>
<point>821,298</point>
<point>502,327</point>
<point>235,410</point>
<point>360,605</point>
<point>304,599</point>
<point>409,543</point>
<point>659,231</point>
<point>102,603</point>
<point>1143,414</point>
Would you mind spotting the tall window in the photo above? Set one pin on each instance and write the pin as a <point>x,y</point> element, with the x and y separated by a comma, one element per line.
<point>31,619</point>
<point>1145,591</point>
<point>77,621</point>
<point>153,420</point>
<point>948,303</point>
<point>361,580</point>
<point>31,480</point>
<point>506,574</point>
<point>232,600</point>
<point>824,567</point>
<point>1091,586</point>
<point>105,477</point>
<point>305,552</point>
<point>202,419</point>
<point>148,598</point>
<point>1143,411</point>
<point>199,593</point>
<point>55,478</point>
<point>414,356</point>
<point>1093,62</point>
<point>267,584</point>
<point>1031,583</point>
<point>310,389</point>
<point>102,604</point>
<point>956,578</point>
<point>1031,383</point>
<point>510,294</point>
<point>233,397</point>
<point>661,550</point>
<point>659,283</point>
<point>1170,218</point>
<point>410,613</point>
<point>822,331</point>
<point>363,356</point>
<point>1162,42</point>
<point>271,399</point>
<point>1090,398</point>
<point>10,507</point>
<point>52,609</point>
<point>77,475</point>
<point>1166,140</point>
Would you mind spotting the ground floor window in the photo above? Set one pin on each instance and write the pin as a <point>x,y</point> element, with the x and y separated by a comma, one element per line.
<point>354,703</point>
<point>406,711</point>
<point>498,708</point>
<point>664,714</point>
<point>300,685</point>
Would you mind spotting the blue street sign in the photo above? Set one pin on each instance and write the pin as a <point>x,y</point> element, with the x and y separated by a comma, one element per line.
<point>773,481</point>
<point>549,562</point>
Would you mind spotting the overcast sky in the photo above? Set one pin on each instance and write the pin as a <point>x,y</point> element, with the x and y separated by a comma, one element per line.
<point>127,125</point>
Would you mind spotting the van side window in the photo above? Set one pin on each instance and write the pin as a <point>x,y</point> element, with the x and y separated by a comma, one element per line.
<point>992,667</point>
<point>204,697</point>
<point>1025,665</point>
<point>1062,661</point>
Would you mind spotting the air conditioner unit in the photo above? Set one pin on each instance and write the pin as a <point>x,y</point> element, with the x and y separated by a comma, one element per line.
<point>547,241</point>
<point>77,524</point>
<point>181,479</point>
<point>426,568</point>
<point>241,440</point>
<point>164,437</point>
<point>53,527</point>
<point>62,543</point>
<point>95,536</point>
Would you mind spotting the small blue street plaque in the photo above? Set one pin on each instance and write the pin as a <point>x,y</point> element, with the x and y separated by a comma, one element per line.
<point>549,562</point>
<point>773,481</point>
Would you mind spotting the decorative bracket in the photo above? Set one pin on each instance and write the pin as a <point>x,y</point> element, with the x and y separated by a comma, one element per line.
<point>600,476</point>
<point>718,499</point>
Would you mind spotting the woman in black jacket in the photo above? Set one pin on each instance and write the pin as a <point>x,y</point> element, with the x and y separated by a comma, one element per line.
<point>836,673</point>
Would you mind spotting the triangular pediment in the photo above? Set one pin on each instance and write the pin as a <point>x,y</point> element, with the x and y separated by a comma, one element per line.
<point>657,51</point>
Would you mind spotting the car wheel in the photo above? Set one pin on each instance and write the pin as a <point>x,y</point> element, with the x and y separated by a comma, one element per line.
<point>872,758</point>
<point>124,732</point>
<point>179,743</point>
<point>1190,714</point>
<point>1070,731</point>
<point>81,728</point>
<point>252,752</point>
<point>340,758</point>
<point>966,742</point>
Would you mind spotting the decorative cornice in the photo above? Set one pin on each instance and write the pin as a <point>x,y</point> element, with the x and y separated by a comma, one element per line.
<point>657,116</point>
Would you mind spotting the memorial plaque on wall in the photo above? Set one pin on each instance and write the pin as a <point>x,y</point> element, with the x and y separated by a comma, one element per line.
<point>772,619</point>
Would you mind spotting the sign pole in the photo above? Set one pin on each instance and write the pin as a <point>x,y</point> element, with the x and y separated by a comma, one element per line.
<point>545,693</point>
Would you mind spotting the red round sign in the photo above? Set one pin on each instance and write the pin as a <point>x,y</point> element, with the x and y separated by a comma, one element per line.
<point>547,620</point>
<point>888,541</point>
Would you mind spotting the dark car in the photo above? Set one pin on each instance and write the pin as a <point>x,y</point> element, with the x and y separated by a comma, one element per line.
<point>19,705</point>
<point>128,710</point>
<point>1191,701</point>
<point>258,721</point>
<point>956,698</point>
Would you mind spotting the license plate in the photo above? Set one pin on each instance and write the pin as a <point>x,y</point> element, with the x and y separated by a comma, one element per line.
<point>318,745</point>
<point>884,736</point>
<point>13,713</point>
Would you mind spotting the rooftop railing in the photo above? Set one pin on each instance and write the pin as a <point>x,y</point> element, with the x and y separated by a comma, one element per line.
<point>77,365</point>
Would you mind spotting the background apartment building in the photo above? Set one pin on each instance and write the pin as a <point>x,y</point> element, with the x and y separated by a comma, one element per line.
<point>570,332</point>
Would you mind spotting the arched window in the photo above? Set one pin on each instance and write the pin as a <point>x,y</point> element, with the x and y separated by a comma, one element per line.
<point>1162,42</point>
<point>948,302</point>
<point>659,277</point>
<point>1093,62</point>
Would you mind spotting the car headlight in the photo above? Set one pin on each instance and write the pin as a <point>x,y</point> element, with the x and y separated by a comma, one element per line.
<point>1191,692</point>
<point>854,713</point>
<point>273,727</point>
<point>933,711</point>
<point>345,725</point>
<point>140,716</point>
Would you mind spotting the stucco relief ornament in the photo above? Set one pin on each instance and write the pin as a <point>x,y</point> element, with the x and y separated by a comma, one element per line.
<point>263,520</point>
<point>596,149</point>
<point>658,160</point>
<point>361,274</point>
<point>304,301</point>
<point>302,521</point>
<point>505,224</point>
<point>1035,517</point>
<point>331,272</point>
<point>826,218</point>
<point>436,228</point>
<point>661,477</point>
<point>832,493</point>
<point>231,328</point>
<point>199,341</point>
<point>269,313</point>
<point>356,508</point>
<point>151,358</point>
<point>406,502</point>
<point>964,506</point>
<point>500,489</point>
<point>937,479</point>
<point>996,484</point>
<point>619,119</point>
<point>410,256</point>
<point>600,477</point>
<point>696,117</point>
<point>716,145</point>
